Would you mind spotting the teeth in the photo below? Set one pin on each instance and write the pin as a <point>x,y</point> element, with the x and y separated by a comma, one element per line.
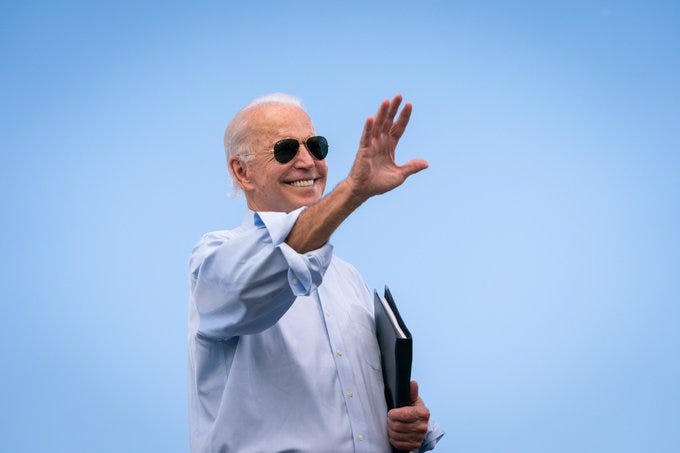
<point>302,183</point>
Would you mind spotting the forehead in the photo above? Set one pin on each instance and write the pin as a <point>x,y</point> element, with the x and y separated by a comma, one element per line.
<point>275,121</point>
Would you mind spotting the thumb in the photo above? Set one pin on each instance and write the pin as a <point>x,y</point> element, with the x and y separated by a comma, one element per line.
<point>414,393</point>
<point>413,166</point>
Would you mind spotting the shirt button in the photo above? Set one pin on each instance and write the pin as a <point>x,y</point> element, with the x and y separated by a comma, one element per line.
<point>360,437</point>
<point>339,353</point>
<point>295,281</point>
<point>350,394</point>
<point>328,315</point>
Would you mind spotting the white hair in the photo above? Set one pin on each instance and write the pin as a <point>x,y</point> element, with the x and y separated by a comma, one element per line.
<point>236,142</point>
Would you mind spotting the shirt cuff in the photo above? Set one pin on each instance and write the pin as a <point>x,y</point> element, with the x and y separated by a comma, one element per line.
<point>434,435</point>
<point>305,271</point>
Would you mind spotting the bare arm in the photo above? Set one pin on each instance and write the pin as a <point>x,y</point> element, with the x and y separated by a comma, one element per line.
<point>374,172</point>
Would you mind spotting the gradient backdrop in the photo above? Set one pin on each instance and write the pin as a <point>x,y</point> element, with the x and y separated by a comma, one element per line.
<point>536,261</point>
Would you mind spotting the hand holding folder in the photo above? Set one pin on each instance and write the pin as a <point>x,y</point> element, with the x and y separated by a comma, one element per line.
<point>396,351</point>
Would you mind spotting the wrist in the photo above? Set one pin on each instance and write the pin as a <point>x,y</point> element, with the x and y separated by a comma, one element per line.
<point>352,193</point>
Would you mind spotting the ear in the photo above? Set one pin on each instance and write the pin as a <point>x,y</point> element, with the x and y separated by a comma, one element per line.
<point>240,171</point>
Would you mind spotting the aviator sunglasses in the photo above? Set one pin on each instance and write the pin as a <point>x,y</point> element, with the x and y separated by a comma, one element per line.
<point>285,150</point>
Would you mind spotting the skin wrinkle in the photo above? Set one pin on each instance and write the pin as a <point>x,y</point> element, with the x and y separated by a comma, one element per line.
<point>264,182</point>
<point>262,178</point>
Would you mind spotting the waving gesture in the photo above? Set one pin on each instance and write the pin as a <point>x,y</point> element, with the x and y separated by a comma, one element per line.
<point>375,170</point>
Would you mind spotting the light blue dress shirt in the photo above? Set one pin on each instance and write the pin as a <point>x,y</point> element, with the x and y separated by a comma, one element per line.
<point>282,347</point>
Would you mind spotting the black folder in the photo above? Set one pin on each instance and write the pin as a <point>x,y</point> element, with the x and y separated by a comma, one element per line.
<point>396,350</point>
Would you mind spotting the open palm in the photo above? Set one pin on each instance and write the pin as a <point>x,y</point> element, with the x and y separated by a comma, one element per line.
<point>375,170</point>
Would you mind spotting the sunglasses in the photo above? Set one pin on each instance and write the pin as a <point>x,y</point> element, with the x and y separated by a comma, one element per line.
<point>285,150</point>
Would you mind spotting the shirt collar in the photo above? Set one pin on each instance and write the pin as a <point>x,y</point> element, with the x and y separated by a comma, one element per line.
<point>251,220</point>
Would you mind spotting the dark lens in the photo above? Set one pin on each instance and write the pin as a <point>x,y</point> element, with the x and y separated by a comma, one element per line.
<point>318,146</point>
<point>285,150</point>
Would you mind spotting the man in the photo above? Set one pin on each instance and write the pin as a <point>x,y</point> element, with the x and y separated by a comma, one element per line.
<point>282,347</point>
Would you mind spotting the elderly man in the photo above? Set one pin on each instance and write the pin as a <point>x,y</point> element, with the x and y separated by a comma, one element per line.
<point>282,348</point>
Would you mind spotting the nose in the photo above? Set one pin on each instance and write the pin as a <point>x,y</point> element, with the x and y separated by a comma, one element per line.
<point>303,159</point>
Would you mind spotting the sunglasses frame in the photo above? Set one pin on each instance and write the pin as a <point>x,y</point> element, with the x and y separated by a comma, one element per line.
<point>283,160</point>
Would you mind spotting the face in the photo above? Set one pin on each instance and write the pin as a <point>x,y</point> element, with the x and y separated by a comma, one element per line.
<point>269,185</point>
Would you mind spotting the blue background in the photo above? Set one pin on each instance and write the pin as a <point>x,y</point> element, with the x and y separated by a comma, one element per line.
<point>536,261</point>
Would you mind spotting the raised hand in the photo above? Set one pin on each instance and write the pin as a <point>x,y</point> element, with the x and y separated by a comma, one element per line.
<point>375,170</point>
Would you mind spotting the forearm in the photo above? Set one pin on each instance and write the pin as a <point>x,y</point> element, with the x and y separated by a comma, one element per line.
<point>374,172</point>
<point>316,224</point>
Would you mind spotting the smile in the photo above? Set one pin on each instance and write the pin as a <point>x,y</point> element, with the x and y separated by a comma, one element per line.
<point>301,183</point>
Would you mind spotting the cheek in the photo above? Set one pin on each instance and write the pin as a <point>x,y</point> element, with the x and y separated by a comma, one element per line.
<point>323,184</point>
<point>322,167</point>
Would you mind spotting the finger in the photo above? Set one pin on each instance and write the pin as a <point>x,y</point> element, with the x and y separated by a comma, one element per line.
<point>409,168</point>
<point>394,106</point>
<point>366,133</point>
<point>406,445</point>
<point>416,438</point>
<point>419,426</point>
<point>380,116</point>
<point>411,437</point>
<point>414,389</point>
<point>399,126</point>
<point>391,112</point>
<point>406,414</point>
<point>406,421</point>
<point>411,432</point>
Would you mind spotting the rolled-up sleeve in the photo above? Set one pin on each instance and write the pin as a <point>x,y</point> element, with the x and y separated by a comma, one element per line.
<point>242,281</point>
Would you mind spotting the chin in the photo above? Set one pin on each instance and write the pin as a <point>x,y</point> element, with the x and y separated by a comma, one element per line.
<point>304,201</point>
